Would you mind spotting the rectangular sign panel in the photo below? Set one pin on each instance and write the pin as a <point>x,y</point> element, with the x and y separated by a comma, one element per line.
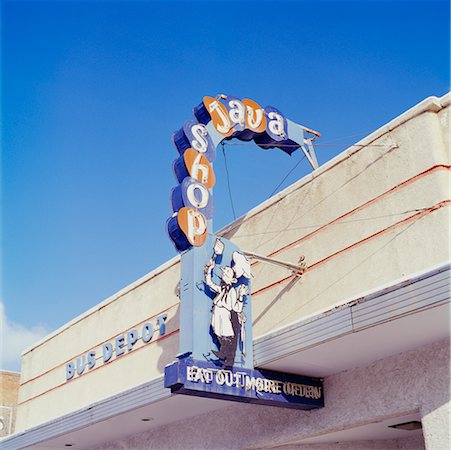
<point>191,377</point>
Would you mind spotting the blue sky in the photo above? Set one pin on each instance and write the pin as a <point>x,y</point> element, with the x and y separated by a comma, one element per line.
<point>92,91</point>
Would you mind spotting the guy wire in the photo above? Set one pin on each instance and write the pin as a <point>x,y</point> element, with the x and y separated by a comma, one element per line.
<point>228,181</point>
<point>286,176</point>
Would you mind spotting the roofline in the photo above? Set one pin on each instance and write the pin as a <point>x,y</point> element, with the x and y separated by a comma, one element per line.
<point>14,372</point>
<point>432,103</point>
<point>131,287</point>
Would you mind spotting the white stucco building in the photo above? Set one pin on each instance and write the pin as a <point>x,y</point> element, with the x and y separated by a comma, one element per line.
<point>370,315</point>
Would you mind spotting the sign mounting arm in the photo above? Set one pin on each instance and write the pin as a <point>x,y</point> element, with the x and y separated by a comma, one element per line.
<point>297,269</point>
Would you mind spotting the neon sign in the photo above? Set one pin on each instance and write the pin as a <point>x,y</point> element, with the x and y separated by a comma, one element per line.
<point>243,385</point>
<point>215,345</point>
<point>218,119</point>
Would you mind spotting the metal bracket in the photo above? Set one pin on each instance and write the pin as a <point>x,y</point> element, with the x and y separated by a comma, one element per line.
<point>297,269</point>
<point>310,153</point>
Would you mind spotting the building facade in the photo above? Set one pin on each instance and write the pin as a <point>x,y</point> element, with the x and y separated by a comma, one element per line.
<point>9,392</point>
<point>370,316</point>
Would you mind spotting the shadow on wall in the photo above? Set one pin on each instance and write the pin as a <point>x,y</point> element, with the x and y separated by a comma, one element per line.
<point>341,278</point>
<point>300,212</point>
<point>172,325</point>
<point>286,289</point>
<point>236,226</point>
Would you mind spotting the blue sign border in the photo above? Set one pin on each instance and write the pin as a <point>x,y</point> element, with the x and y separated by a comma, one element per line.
<point>263,387</point>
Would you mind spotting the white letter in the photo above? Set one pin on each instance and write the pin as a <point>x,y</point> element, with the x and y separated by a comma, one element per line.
<point>107,352</point>
<point>204,195</point>
<point>239,379</point>
<point>190,373</point>
<point>70,371</point>
<point>208,374</point>
<point>225,127</point>
<point>287,388</point>
<point>276,124</point>
<point>254,123</point>
<point>220,378</point>
<point>228,378</point>
<point>196,167</point>
<point>199,143</point>
<point>250,383</point>
<point>277,388</point>
<point>196,224</point>
<point>237,112</point>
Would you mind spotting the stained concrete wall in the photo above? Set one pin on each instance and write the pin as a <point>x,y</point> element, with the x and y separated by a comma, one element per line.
<point>410,443</point>
<point>415,443</point>
<point>415,381</point>
<point>44,391</point>
<point>9,392</point>
<point>359,221</point>
<point>375,213</point>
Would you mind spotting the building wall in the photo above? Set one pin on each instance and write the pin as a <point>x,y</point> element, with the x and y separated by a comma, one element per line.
<point>359,220</point>
<point>43,368</point>
<point>375,213</point>
<point>415,381</point>
<point>412,443</point>
<point>9,391</point>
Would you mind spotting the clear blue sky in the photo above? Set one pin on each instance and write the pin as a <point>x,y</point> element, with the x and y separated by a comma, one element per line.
<point>92,91</point>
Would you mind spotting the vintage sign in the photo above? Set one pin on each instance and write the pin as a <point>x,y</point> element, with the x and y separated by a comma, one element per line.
<point>216,355</point>
<point>252,386</point>
<point>217,119</point>
<point>215,309</point>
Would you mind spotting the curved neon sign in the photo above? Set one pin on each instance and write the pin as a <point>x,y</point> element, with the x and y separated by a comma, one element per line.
<point>217,119</point>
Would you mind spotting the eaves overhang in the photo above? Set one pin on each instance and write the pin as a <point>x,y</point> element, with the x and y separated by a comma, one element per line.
<point>317,346</point>
<point>408,313</point>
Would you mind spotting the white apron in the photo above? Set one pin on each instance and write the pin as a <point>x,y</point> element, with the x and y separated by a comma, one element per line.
<point>221,317</point>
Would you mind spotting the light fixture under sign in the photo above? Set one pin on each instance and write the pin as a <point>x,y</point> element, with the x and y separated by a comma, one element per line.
<point>408,426</point>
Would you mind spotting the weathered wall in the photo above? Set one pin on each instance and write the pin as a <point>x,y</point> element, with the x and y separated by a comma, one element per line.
<point>375,213</point>
<point>9,392</point>
<point>44,392</point>
<point>410,443</point>
<point>398,385</point>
